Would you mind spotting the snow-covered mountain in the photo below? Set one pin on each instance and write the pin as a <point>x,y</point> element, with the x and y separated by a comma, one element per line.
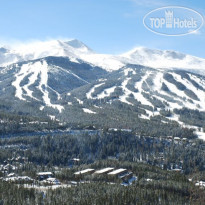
<point>151,89</point>
<point>68,81</point>
<point>37,50</point>
<point>40,83</point>
<point>8,57</point>
<point>75,49</point>
<point>165,59</point>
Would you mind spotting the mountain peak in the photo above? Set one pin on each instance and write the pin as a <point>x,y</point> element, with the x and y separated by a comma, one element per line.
<point>166,59</point>
<point>75,49</point>
<point>75,43</point>
<point>4,50</point>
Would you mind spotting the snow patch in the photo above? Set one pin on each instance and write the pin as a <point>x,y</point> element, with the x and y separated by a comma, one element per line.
<point>201,135</point>
<point>79,101</point>
<point>138,96</point>
<point>34,72</point>
<point>88,111</point>
<point>129,70</point>
<point>52,117</point>
<point>106,93</point>
<point>92,90</point>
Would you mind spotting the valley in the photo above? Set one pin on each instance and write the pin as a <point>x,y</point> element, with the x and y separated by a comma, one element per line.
<point>65,108</point>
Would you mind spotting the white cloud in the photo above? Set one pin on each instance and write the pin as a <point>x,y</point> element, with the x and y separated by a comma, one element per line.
<point>15,43</point>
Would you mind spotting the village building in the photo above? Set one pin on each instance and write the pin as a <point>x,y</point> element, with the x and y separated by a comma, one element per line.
<point>117,173</point>
<point>44,175</point>
<point>104,171</point>
<point>126,176</point>
<point>52,181</point>
<point>84,172</point>
<point>74,162</point>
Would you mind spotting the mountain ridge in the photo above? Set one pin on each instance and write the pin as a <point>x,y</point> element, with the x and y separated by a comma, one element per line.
<point>75,49</point>
<point>78,91</point>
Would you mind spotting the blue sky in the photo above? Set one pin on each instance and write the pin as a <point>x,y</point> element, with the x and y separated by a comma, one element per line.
<point>107,26</point>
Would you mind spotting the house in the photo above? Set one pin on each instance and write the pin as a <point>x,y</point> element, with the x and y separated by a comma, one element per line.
<point>14,178</point>
<point>74,183</point>
<point>104,171</point>
<point>84,172</point>
<point>112,129</point>
<point>169,137</point>
<point>177,170</point>
<point>200,183</point>
<point>126,177</point>
<point>130,181</point>
<point>44,175</point>
<point>117,173</point>
<point>52,181</point>
<point>74,161</point>
<point>126,130</point>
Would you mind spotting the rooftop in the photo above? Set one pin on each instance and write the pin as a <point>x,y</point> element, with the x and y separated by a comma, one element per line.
<point>44,173</point>
<point>117,171</point>
<point>101,171</point>
<point>83,171</point>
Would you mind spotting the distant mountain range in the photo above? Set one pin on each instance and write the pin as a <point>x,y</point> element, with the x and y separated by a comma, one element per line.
<point>75,49</point>
<point>68,81</point>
